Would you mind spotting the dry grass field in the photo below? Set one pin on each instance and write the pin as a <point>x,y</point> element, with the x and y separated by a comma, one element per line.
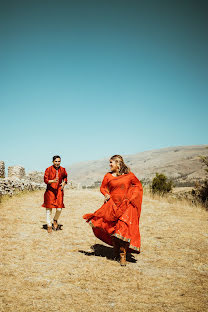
<point>70,270</point>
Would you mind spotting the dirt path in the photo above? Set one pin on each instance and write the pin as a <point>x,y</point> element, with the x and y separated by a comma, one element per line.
<point>61,272</point>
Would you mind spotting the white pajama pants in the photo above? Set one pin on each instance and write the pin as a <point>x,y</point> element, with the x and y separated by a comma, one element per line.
<point>49,215</point>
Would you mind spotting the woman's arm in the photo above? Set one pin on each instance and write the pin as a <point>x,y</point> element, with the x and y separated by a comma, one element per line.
<point>136,191</point>
<point>104,188</point>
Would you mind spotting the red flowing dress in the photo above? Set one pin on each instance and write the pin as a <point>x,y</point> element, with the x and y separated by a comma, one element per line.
<point>54,195</point>
<point>119,216</point>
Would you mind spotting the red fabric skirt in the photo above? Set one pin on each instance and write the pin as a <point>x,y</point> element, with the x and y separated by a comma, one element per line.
<point>117,220</point>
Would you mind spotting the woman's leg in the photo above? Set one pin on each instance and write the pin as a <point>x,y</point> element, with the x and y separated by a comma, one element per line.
<point>48,219</point>
<point>116,248</point>
<point>55,219</point>
<point>123,251</point>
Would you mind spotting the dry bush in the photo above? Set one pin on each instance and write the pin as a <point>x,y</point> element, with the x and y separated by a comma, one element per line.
<point>161,185</point>
<point>200,192</point>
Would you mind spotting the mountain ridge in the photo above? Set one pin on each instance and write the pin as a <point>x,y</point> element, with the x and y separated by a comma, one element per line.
<point>182,164</point>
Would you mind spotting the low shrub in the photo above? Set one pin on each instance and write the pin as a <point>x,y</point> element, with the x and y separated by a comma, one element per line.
<point>161,185</point>
<point>201,190</point>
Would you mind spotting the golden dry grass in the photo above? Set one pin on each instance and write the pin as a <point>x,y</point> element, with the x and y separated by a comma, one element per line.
<point>61,272</point>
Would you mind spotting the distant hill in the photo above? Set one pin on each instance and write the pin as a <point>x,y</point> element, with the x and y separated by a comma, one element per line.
<point>180,163</point>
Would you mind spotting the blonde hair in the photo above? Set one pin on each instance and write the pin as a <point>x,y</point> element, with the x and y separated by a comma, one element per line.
<point>122,168</point>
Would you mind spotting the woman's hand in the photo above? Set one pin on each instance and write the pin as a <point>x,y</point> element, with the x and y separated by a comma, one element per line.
<point>107,197</point>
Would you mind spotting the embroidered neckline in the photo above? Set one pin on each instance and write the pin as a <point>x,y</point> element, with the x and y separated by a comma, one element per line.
<point>122,175</point>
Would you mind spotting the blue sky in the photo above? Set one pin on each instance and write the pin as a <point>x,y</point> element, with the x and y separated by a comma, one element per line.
<point>89,79</point>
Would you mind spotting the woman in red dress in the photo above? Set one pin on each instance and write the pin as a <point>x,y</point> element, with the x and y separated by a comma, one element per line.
<point>56,178</point>
<point>117,221</point>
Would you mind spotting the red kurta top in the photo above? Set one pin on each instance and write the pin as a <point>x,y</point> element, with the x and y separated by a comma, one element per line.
<point>54,195</point>
<point>119,216</point>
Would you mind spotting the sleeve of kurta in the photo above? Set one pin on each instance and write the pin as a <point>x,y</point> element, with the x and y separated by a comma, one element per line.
<point>65,176</point>
<point>104,186</point>
<point>46,176</point>
<point>136,192</point>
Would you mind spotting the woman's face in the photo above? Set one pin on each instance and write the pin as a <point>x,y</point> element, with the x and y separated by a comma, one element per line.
<point>57,162</point>
<point>113,165</point>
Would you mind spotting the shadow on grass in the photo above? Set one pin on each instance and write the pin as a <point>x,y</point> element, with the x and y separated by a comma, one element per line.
<point>99,250</point>
<point>44,227</point>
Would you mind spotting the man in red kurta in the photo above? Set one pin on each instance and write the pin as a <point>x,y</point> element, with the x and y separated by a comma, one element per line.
<point>56,178</point>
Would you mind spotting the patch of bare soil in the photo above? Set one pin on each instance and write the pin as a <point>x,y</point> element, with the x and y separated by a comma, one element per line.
<point>71,270</point>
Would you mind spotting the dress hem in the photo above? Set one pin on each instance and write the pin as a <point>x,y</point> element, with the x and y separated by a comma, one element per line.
<point>119,237</point>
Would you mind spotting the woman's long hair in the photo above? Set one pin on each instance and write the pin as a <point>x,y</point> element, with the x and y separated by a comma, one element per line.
<point>122,168</point>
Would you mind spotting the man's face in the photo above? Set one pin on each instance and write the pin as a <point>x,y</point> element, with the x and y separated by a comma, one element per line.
<point>57,162</point>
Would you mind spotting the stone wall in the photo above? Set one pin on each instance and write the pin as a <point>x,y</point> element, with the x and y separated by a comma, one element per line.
<point>17,181</point>
<point>16,172</point>
<point>35,176</point>
<point>9,186</point>
<point>2,169</point>
<point>73,185</point>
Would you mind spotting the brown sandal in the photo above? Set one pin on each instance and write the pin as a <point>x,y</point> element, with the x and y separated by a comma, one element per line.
<point>122,256</point>
<point>55,225</point>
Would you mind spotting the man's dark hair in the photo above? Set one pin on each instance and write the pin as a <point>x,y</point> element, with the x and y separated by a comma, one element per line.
<point>56,156</point>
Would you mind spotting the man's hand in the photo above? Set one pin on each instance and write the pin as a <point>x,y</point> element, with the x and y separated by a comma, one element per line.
<point>63,184</point>
<point>53,181</point>
<point>107,197</point>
